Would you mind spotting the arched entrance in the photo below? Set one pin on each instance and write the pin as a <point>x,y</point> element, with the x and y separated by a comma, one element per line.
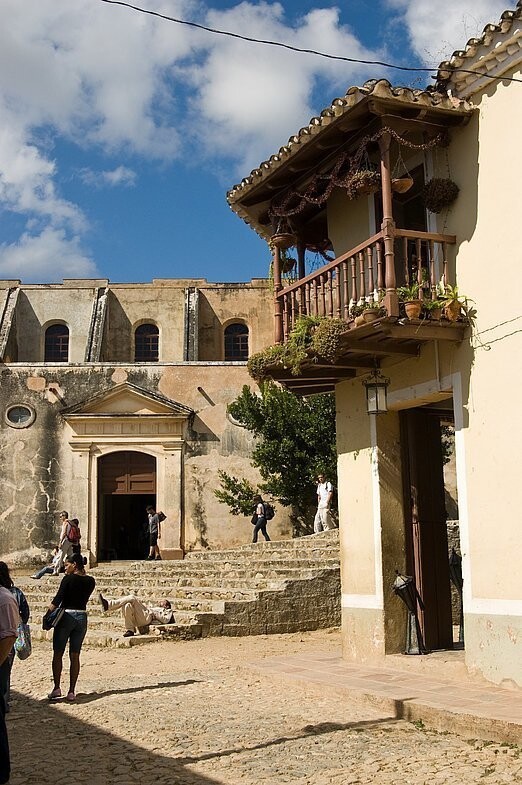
<point>126,485</point>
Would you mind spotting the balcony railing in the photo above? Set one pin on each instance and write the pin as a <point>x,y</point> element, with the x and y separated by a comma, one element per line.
<point>359,276</point>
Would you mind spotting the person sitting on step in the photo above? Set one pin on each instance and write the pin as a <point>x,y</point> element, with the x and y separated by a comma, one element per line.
<point>136,615</point>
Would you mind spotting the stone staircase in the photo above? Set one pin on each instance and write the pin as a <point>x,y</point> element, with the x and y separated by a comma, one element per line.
<point>273,587</point>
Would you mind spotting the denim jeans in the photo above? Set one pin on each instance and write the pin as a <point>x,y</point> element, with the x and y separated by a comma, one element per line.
<point>260,527</point>
<point>71,627</point>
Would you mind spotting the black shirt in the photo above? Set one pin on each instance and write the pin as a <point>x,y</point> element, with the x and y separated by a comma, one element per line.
<point>74,591</point>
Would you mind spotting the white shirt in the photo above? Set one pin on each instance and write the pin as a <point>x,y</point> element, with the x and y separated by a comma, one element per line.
<point>323,491</point>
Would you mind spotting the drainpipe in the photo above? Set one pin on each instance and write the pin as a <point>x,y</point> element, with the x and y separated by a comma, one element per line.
<point>391,300</point>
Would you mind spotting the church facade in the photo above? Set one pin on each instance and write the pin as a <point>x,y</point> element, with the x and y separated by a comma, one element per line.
<point>114,396</point>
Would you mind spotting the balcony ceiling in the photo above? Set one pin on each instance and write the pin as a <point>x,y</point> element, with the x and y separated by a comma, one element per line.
<point>364,348</point>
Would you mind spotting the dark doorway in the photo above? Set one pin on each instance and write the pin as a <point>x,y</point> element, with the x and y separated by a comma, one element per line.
<point>425,518</point>
<point>126,485</point>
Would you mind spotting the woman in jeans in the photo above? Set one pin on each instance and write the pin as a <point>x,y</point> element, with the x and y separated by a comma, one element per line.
<point>5,669</point>
<point>74,592</point>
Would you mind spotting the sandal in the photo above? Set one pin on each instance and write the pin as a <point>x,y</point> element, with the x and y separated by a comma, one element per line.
<point>71,697</point>
<point>55,694</point>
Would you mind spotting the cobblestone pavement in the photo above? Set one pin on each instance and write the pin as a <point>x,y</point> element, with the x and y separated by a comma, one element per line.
<point>192,713</point>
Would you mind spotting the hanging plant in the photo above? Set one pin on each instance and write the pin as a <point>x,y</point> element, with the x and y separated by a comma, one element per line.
<point>363,181</point>
<point>439,193</point>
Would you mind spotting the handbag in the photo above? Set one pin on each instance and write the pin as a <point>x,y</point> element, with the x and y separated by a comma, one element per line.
<point>51,618</point>
<point>22,644</point>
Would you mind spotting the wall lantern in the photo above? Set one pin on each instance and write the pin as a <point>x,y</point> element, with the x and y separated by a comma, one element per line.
<point>376,397</point>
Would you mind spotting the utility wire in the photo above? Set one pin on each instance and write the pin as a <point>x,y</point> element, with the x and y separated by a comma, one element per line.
<point>298,49</point>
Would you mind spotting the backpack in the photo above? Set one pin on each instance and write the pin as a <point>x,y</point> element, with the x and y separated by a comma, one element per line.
<point>269,511</point>
<point>73,533</point>
<point>161,516</point>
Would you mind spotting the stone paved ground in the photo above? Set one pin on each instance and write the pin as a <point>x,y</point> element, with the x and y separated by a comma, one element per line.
<point>192,713</point>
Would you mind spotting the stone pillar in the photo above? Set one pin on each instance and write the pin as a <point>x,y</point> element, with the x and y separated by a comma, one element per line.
<point>169,500</point>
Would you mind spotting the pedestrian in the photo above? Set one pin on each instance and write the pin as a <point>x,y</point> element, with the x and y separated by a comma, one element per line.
<point>9,620</point>
<point>154,534</point>
<point>50,568</point>
<point>136,615</point>
<point>23,610</point>
<point>323,517</point>
<point>74,592</point>
<point>64,544</point>
<point>259,519</point>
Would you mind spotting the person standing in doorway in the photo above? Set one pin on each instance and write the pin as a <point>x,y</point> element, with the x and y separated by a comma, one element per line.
<point>154,534</point>
<point>323,517</point>
<point>259,519</point>
<point>9,621</point>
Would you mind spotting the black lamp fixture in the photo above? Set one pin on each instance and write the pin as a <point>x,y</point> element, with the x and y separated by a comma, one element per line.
<point>376,392</point>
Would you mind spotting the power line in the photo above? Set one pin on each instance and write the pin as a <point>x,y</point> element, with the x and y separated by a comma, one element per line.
<point>298,49</point>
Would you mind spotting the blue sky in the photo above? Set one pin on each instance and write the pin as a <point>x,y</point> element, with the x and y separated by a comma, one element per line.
<point>121,133</point>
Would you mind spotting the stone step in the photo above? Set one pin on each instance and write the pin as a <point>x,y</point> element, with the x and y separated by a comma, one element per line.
<point>113,637</point>
<point>274,587</point>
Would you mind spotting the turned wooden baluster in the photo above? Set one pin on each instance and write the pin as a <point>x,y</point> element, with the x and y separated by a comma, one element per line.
<point>285,317</point>
<point>418,246</point>
<point>323,295</point>
<point>433,283</point>
<point>371,285</point>
<point>362,282</point>
<point>444,265</point>
<point>315,297</point>
<point>380,268</point>
<point>406,260</point>
<point>308,297</point>
<point>338,294</point>
<point>353,268</point>
<point>329,291</point>
<point>346,300</point>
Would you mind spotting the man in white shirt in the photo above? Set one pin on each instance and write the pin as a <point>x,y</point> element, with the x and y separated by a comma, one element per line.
<point>323,517</point>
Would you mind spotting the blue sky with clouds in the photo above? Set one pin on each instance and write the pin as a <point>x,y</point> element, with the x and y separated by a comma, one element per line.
<point>121,133</point>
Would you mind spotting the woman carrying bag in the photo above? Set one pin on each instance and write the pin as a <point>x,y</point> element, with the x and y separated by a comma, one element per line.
<point>73,595</point>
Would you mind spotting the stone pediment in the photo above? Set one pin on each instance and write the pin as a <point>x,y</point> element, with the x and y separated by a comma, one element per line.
<point>127,400</point>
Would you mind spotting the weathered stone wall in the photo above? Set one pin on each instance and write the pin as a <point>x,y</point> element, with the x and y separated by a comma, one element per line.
<point>38,466</point>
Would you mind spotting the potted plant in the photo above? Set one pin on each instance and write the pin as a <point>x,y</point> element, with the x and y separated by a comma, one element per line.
<point>372,310</point>
<point>433,308</point>
<point>454,304</point>
<point>439,193</point>
<point>363,181</point>
<point>283,236</point>
<point>409,295</point>
<point>356,313</point>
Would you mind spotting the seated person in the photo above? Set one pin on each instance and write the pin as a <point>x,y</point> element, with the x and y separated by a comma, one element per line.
<point>136,615</point>
<point>51,568</point>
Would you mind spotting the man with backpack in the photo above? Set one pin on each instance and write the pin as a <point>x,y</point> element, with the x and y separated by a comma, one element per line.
<point>69,542</point>
<point>263,513</point>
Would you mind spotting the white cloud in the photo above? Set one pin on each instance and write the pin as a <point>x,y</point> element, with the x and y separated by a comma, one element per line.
<point>436,31</point>
<point>48,256</point>
<point>121,176</point>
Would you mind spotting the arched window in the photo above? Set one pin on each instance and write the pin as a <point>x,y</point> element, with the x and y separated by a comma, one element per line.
<point>236,342</point>
<point>146,344</point>
<point>56,348</point>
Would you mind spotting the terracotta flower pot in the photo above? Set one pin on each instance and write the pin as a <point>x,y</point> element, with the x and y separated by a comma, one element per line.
<point>359,320</point>
<point>401,184</point>
<point>436,314</point>
<point>370,315</point>
<point>452,311</point>
<point>413,308</point>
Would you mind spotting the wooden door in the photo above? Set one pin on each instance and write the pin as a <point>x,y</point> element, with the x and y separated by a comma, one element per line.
<point>127,473</point>
<point>426,524</point>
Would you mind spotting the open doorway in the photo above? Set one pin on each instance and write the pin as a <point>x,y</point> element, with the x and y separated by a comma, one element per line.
<point>126,486</point>
<point>427,439</point>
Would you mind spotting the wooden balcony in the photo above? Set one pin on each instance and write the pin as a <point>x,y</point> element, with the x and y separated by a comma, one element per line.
<point>370,272</point>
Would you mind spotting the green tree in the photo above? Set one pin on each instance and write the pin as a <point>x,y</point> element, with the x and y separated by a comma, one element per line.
<point>295,440</point>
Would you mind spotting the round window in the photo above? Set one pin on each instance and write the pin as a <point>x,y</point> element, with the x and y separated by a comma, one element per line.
<point>20,416</point>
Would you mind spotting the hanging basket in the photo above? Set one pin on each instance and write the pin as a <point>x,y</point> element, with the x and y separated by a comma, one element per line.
<point>363,182</point>
<point>439,193</point>
<point>283,240</point>
<point>401,184</point>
